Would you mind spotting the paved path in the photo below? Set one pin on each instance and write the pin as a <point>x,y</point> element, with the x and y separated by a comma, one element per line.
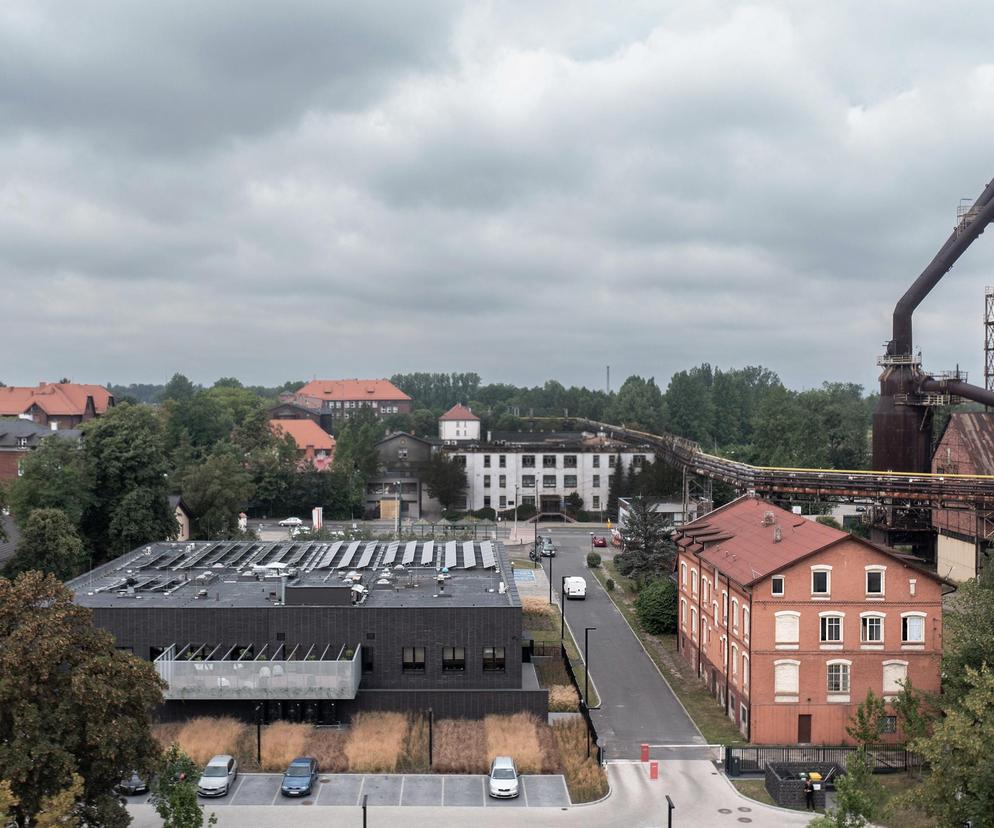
<point>702,798</point>
<point>637,705</point>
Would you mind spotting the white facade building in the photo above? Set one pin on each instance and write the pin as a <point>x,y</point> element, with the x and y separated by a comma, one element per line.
<point>459,424</point>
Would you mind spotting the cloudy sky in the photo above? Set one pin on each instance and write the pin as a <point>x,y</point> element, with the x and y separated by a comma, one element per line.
<point>524,189</point>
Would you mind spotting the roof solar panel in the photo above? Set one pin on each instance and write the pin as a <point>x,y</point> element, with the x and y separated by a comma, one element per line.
<point>329,555</point>
<point>450,555</point>
<point>427,553</point>
<point>349,554</point>
<point>391,554</point>
<point>367,555</point>
<point>487,554</point>
<point>468,555</point>
<point>409,551</point>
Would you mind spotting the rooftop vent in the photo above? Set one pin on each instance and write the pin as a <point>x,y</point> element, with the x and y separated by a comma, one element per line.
<point>768,519</point>
<point>777,534</point>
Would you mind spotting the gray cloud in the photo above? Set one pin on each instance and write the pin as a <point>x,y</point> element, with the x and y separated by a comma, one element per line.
<point>525,191</point>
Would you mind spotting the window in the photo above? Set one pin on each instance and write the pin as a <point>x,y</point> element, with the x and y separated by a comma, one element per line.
<point>502,461</point>
<point>875,581</point>
<point>786,678</point>
<point>414,659</point>
<point>693,581</point>
<point>838,677</point>
<point>528,461</point>
<point>745,670</point>
<point>788,627</point>
<point>717,620</point>
<point>548,481</point>
<point>569,461</point>
<point>569,481</point>
<point>704,588</point>
<point>821,583</point>
<point>486,481</point>
<point>22,442</point>
<point>683,612</point>
<point>486,461</point>
<point>493,659</point>
<point>453,659</point>
<point>460,459</point>
<point>778,585</point>
<point>486,501</point>
<point>735,613</point>
<point>401,454</point>
<point>638,460</point>
<point>596,484</point>
<point>367,659</point>
<point>895,674</point>
<point>595,502</point>
<point>746,618</point>
<point>871,628</point>
<point>548,461</point>
<point>528,500</point>
<point>693,622</point>
<point>611,460</point>
<point>724,607</point>
<point>683,573</point>
<point>502,481</point>
<point>831,629</point>
<point>597,461</point>
<point>913,628</point>
<point>503,501</point>
<point>888,724</point>
<point>735,660</point>
<point>528,481</point>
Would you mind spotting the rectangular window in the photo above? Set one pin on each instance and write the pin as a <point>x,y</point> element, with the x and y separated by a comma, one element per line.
<point>486,501</point>
<point>548,461</point>
<point>638,460</point>
<point>612,459</point>
<point>819,582</point>
<point>788,627</point>
<point>502,481</point>
<point>502,461</point>
<point>493,659</point>
<point>888,724</point>
<point>414,659</point>
<point>569,461</point>
<point>569,481</point>
<point>778,584</point>
<point>785,677</point>
<point>838,678</point>
<point>873,629</point>
<point>528,481</point>
<point>367,659</point>
<point>596,482</point>
<point>548,481</point>
<point>486,461</point>
<point>597,461</point>
<point>913,629</point>
<point>503,501</point>
<point>595,502</point>
<point>460,460</point>
<point>874,583</point>
<point>831,628</point>
<point>453,659</point>
<point>486,481</point>
<point>528,500</point>
<point>528,461</point>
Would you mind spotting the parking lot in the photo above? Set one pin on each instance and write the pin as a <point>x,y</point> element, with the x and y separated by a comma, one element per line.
<point>391,789</point>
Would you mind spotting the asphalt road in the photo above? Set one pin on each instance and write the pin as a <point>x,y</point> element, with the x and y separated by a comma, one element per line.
<point>637,705</point>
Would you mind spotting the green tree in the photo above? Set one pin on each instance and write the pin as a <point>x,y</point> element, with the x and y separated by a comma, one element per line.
<point>866,723</point>
<point>216,491</point>
<point>179,389</point>
<point>615,488</point>
<point>445,480</point>
<point>638,404</point>
<point>49,543</point>
<point>690,405</point>
<point>274,472</point>
<point>53,476</point>
<point>967,640</point>
<point>355,444</point>
<point>71,702</point>
<point>914,710</point>
<point>656,607</point>
<point>62,809</point>
<point>424,423</point>
<point>857,796</point>
<point>174,791</point>
<point>648,551</point>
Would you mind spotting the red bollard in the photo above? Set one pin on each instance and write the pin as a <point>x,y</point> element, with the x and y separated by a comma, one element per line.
<point>654,770</point>
<point>645,753</point>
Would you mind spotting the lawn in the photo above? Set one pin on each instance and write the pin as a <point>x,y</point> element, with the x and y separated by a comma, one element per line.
<point>701,705</point>
<point>754,789</point>
<point>896,814</point>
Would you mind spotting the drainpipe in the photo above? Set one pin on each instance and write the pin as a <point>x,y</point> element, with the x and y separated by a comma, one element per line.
<point>700,615</point>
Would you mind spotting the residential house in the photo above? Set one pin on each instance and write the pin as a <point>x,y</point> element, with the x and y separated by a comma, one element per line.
<point>183,515</point>
<point>19,437</point>
<point>55,404</point>
<point>316,446</point>
<point>337,400</point>
<point>789,622</point>
<point>459,424</point>
<point>398,486</point>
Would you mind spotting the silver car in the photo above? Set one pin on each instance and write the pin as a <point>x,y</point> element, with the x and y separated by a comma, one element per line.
<point>218,776</point>
<point>503,781</point>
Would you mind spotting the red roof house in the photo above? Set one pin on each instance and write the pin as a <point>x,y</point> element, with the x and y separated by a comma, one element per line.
<point>55,404</point>
<point>316,445</point>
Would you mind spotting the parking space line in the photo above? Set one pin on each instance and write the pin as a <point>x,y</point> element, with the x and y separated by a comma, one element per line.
<point>483,790</point>
<point>524,790</point>
<point>276,794</point>
<point>403,779</point>
<point>362,784</point>
<point>443,791</point>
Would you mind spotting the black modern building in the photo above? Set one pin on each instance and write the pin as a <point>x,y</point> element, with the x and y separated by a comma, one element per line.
<point>320,630</point>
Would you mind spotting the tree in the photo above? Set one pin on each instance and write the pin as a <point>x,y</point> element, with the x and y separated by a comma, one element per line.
<point>71,702</point>
<point>62,809</point>
<point>866,723</point>
<point>49,543</point>
<point>857,796</point>
<point>424,423</point>
<point>355,444</point>
<point>914,712</point>
<point>648,551</point>
<point>690,405</point>
<point>174,791</point>
<point>967,639</point>
<point>178,389</point>
<point>53,476</point>
<point>216,491</point>
<point>638,404</point>
<point>445,480</point>
<point>615,488</point>
<point>656,606</point>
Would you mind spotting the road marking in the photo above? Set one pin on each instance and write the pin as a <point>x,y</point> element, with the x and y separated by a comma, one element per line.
<point>524,790</point>
<point>443,791</point>
<point>276,794</point>
<point>486,799</point>
<point>401,800</point>
<point>362,784</point>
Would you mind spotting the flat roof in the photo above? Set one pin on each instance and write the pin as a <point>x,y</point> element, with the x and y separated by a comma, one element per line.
<point>250,574</point>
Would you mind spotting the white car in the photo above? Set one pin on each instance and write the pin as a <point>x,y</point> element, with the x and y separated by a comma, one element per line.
<point>291,521</point>
<point>218,776</point>
<point>503,781</point>
<point>575,587</point>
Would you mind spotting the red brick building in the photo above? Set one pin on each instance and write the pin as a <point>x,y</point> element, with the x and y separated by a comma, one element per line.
<point>317,447</point>
<point>337,400</point>
<point>789,622</point>
<point>55,404</point>
<point>20,437</point>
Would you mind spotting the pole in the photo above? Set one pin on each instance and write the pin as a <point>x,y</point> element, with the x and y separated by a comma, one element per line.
<point>431,736</point>
<point>551,559</point>
<point>364,798</point>
<point>258,733</point>
<point>397,519</point>
<point>515,511</point>
<point>670,807</point>
<point>562,608</point>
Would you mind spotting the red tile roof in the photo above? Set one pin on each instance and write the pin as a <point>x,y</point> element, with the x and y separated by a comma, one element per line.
<point>54,398</point>
<point>744,545</point>
<point>306,434</point>
<point>459,412</point>
<point>353,389</point>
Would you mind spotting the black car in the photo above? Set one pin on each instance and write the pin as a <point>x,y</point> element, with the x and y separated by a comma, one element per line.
<point>300,777</point>
<point>132,785</point>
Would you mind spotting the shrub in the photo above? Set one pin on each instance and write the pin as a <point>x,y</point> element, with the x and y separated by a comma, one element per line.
<point>460,747</point>
<point>593,560</point>
<point>282,742</point>
<point>585,779</point>
<point>205,737</point>
<point>563,698</point>
<point>609,585</point>
<point>375,742</point>
<point>517,736</point>
<point>656,607</point>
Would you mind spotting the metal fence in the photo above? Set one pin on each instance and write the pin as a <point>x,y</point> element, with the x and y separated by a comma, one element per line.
<point>755,758</point>
<point>591,730</point>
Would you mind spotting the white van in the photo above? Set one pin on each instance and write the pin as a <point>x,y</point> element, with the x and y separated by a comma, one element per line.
<point>575,587</point>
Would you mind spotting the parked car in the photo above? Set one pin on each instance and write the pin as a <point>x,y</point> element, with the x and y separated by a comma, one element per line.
<point>548,548</point>
<point>218,776</point>
<point>291,521</point>
<point>503,781</point>
<point>575,587</point>
<point>300,777</point>
<point>599,541</point>
<point>132,785</point>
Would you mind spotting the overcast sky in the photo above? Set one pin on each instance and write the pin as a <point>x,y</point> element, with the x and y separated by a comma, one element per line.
<point>528,190</point>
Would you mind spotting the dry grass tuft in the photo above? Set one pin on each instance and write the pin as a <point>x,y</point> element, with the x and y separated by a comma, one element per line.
<point>375,742</point>
<point>167,733</point>
<point>551,671</point>
<point>460,747</point>
<point>515,736</point>
<point>585,779</point>
<point>328,747</point>
<point>414,757</point>
<point>563,698</point>
<point>283,742</point>
<point>539,613</point>
<point>205,737</point>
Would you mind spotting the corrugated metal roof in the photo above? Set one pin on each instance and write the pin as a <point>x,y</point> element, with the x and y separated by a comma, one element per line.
<point>976,431</point>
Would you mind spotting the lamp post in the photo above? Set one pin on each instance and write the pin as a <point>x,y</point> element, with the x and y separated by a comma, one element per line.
<point>670,808</point>
<point>431,739</point>
<point>562,608</point>
<point>551,559</point>
<point>515,512</point>
<point>258,733</point>
<point>397,518</point>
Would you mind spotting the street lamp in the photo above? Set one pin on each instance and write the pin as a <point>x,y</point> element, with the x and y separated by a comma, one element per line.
<point>551,559</point>
<point>562,608</point>
<point>670,808</point>
<point>258,733</point>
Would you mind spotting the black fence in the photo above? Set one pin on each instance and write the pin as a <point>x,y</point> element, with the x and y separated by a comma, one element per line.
<point>591,730</point>
<point>755,758</point>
